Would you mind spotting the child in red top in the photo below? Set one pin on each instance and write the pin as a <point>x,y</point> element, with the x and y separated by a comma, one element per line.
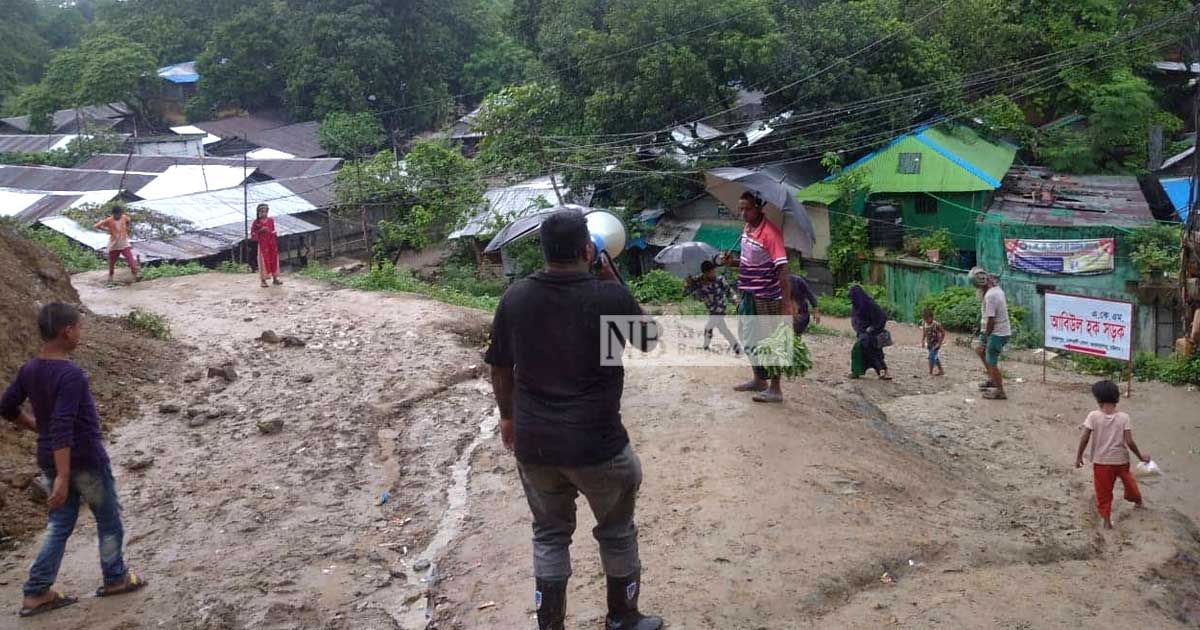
<point>1111,435</point>
<point>263,233</point>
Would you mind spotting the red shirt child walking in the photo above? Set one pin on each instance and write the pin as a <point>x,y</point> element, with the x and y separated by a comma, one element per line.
<point>263,233</point>
<point>1111,435</point>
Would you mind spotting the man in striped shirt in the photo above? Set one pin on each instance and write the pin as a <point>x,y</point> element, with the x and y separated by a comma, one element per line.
<point>763,280</point>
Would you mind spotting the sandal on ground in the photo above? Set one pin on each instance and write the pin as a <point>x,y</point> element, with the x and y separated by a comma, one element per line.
<point>132,582</point>
<point>59,601</point>
<point>987,385</point>
<point>885,377</point>
<point>993,394</point>
<point>264,284</point>
<point>276,282</point>
<point>768,397</point>
<point>750,387</point>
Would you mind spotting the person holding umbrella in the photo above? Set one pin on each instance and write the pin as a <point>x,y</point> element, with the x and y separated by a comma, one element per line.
<point>765,285</point>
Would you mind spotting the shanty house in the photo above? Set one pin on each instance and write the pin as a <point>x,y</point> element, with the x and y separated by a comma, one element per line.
<point>505,204</point>
<point>261,137</point>
<point>1068,233</point>
<point>115,117</point>
<point>938,176</point>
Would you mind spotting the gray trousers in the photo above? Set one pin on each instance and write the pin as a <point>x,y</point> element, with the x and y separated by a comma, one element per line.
<point>718,322</point>
<point>610,489</point>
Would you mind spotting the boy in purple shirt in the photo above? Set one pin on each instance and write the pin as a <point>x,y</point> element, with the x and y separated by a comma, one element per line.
<point>69,452</point>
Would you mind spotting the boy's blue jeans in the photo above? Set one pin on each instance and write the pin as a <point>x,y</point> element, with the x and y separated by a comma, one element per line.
<point>98,490</point>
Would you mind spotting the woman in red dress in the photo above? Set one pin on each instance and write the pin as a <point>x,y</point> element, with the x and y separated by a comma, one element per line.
<point>262,231</point>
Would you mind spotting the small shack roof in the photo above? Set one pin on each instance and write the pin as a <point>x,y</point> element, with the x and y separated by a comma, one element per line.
<point>183,179</point>
<point>509,203</point>
<point>299,140</point>
<point>52,179</point>
<point>66,120</point>
<point>216,218</point>
<point>180,73</point>
<point>239,126</point>
<point>1036,196</point>
<point>23,143</point>
<point>29,206</point>
<point>275,169</point>
<point>948,157</point>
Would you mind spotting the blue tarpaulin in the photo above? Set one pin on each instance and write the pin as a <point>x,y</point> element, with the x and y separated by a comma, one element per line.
<point>1178,190</point>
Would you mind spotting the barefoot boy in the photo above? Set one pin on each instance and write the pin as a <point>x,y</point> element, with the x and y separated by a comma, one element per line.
<point>69,452</point>
<point>1112,438</point>
<point>932,336</point>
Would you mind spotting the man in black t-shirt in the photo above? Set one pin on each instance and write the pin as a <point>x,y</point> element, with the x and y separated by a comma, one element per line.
<point>560,411</point>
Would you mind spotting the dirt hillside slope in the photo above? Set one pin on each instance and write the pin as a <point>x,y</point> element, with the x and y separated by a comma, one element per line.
<point>115,358</point>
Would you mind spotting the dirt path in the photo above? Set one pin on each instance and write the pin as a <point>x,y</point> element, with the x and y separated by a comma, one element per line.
<point>857,504</point>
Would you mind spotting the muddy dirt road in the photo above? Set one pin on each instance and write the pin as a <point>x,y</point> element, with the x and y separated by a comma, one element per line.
<point>857,504</point>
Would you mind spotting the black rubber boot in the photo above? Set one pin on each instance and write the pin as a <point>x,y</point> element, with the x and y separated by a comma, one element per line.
<point>623,605</point>
<point>550,599</point>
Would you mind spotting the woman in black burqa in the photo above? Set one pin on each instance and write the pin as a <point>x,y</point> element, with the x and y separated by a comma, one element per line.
<point>869,321</point>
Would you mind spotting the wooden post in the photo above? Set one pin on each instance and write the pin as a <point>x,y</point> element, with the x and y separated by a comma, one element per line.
<point>1129,385</point>
<point>1044,351</point>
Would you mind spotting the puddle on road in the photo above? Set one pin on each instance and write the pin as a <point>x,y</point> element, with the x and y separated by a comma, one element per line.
<point>417,617</point>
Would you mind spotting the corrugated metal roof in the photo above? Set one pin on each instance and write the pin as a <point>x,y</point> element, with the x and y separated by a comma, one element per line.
<point>275,169</point>
<point>205,243</point>
<point>299,140</point>
<point>180,73</point>
<point>208,210</point>
<point>1176,159</point>
<point>22,143</point>
<point>53,179</point>
<point>670,231</point>
<point>29,206</point>
<point>239,126</point>
<point>1176,66</point>
<point>65,120</point>
<point>189,129</point>
<point>507,204</point>
<point>1035,196</point>
<point>14,202</point>
<point>269,154</point>
<point>189,246</point>
<point>185,179</point>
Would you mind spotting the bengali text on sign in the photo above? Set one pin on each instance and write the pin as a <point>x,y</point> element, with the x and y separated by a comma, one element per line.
<point>1101,328</point>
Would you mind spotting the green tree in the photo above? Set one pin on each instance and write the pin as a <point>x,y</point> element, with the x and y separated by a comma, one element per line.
<point>350,135</point>
<point>499,62</point>
<point>242,65</point>
<point>513,121</point>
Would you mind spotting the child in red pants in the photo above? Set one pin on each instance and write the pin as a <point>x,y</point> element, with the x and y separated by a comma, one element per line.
<point>1112,438</point>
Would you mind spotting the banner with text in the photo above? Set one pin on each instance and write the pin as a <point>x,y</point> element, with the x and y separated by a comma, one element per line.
<point>1101,328</point>
<point>1078,258</point>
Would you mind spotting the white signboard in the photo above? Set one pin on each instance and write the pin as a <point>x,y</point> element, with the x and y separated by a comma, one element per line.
<point>1101,328</point>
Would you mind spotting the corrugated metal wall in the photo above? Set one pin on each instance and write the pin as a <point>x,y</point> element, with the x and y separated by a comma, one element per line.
<point>909,281</point>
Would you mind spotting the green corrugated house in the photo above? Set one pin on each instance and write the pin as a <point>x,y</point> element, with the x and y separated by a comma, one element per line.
<point>940,176</point>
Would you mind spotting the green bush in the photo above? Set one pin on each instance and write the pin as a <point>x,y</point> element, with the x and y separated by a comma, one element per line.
<point>940,240</point>
<point>1155,248</point>
<point>75,258</point>
<point>149,323</point>
<point>957,308</point>
<point>467,279</point>
<point>1147,366</point>
<point>847,244</point>
<point>171,270</point>
<point>1024,338</point>
<point>1097,366</point>
<point>656,287</point>
<point>228,266</point>
<point>387,278</point>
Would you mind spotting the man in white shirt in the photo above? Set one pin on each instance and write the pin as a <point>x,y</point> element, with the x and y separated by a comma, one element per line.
<point>995,331</point>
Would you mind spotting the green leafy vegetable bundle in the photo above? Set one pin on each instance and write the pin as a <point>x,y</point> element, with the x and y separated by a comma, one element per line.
<point>783,354</point>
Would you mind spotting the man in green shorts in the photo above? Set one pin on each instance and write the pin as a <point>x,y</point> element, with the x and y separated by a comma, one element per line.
<point>995,331</point>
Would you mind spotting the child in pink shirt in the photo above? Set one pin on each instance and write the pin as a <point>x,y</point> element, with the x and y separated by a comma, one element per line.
<point>1111,434</point>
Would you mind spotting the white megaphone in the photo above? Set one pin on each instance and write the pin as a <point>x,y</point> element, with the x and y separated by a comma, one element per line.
<point>608,236</point>
<point>608,233</point>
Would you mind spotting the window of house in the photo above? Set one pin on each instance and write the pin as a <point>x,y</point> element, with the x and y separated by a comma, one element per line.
<point>926,205</point>
<point>910,164</point>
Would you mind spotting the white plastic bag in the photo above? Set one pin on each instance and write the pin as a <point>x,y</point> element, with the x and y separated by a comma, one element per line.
<point>1146,469</point>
